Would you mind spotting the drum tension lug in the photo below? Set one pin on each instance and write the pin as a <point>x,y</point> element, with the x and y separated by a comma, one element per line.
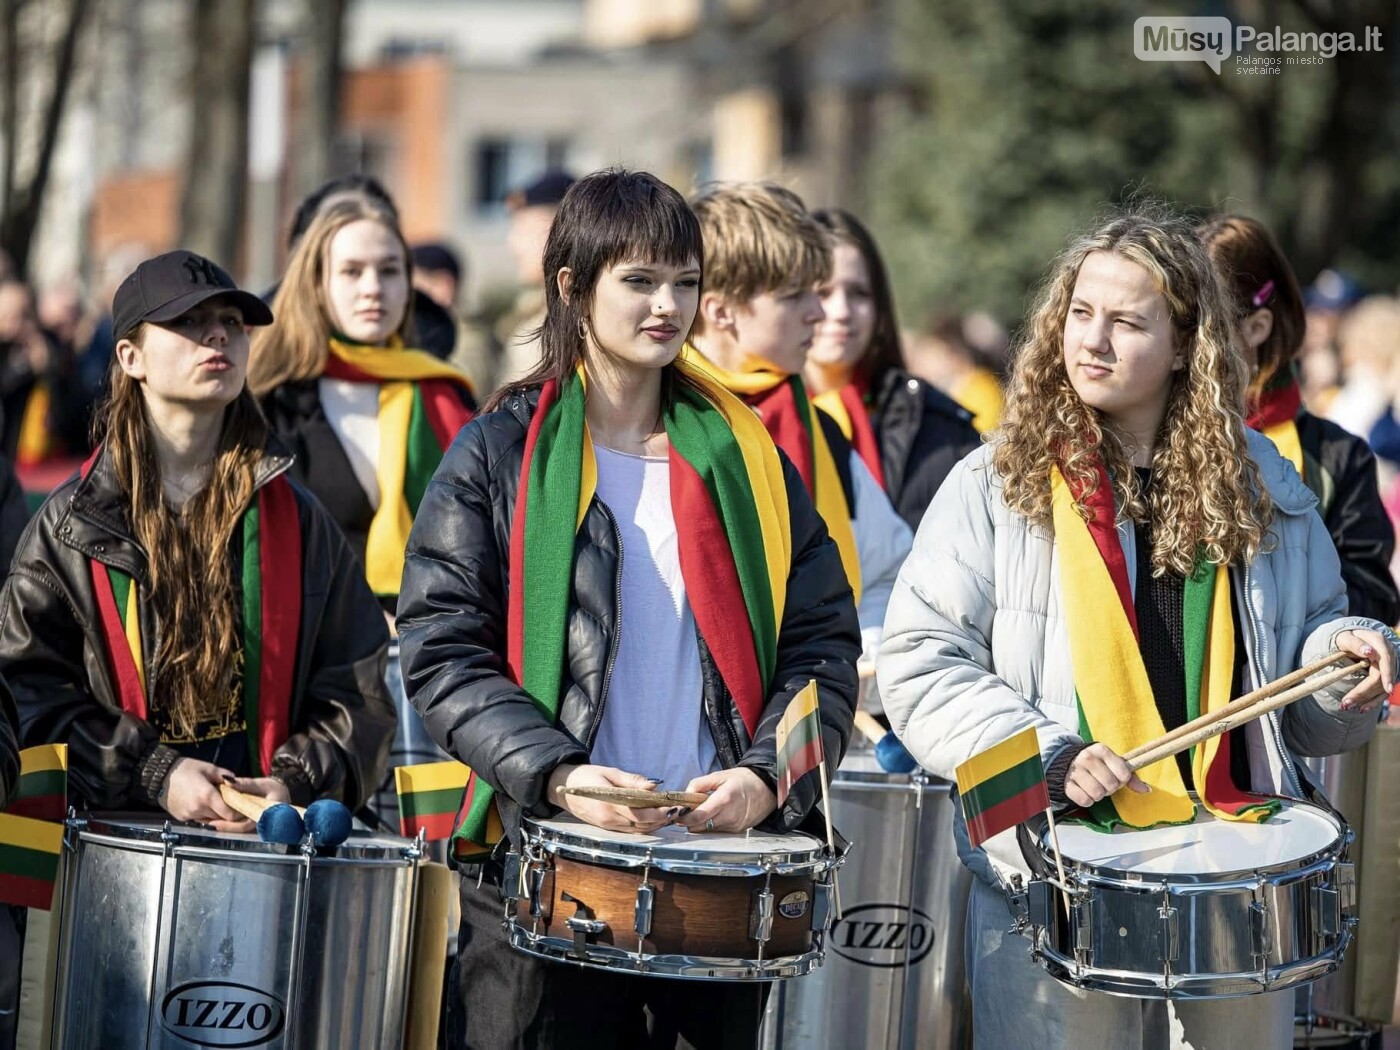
<point>582,924</point>
<point>1170,947</point>
<point>510,877</point>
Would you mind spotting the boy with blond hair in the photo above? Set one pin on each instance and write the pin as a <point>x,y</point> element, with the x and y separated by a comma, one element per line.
<point>759,308</point>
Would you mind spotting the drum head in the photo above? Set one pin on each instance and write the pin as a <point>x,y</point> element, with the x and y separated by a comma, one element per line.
<point>674,848</point>
<point>149,830</point>
<point>1207,847</point>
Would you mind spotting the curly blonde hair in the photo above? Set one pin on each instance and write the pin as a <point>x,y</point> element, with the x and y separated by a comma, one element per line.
<point>1207,498</point>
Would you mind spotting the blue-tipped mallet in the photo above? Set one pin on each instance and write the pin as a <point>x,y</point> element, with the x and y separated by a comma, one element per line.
<point>277,821</point>
<point>328,822</point>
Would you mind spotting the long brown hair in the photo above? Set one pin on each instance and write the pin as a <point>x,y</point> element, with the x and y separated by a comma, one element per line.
<point>607,217</point>
<point>884,351</point>
<point>189,565</point>
<point>294,346</point>
<point>1206,495</point>
<point>1257,276</point>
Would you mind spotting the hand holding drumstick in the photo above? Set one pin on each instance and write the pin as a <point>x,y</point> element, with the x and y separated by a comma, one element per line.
<point>1098,771</point>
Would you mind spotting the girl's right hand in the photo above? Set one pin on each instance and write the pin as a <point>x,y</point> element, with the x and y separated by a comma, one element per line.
<point>192,793</point>
<point>605,814</point>
<point>1098,772</point>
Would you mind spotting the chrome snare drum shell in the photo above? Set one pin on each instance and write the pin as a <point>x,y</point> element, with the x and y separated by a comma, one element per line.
<point>174,936</point>
<point>671,904</point>
<point>1210,910</point>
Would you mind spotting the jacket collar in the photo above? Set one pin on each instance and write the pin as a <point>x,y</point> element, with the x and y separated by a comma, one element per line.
<point>97,510</point>
<point>1281,481</point>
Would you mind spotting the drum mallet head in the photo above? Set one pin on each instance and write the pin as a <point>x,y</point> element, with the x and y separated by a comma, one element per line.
<point>281,823</point>
<point>328,822</point>
<point>889,752</point>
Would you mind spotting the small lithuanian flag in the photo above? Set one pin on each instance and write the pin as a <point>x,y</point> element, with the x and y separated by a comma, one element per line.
<point>42,792</point>
<point>429,795</point>
<point>1002,786</point>
<point>799,740</point>
<point>29,852</point>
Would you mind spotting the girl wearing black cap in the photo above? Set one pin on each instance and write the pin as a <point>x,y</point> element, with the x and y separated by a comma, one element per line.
<point>181,613</point>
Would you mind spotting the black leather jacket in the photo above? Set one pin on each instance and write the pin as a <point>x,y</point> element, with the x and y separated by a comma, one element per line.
<point>452,629</point>
<point>52,653</point>
<point>9,747</point>
<point>921,433</point>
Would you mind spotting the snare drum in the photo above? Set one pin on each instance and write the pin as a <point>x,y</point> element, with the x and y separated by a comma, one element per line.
<point>1208,910</point>
<point>669,904</point>
<point>177,937</point>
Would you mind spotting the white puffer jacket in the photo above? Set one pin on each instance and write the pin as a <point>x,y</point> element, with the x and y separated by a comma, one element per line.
<point>976,646</point>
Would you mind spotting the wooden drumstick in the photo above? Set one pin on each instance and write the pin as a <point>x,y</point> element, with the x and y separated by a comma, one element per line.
<point>865,668</point>
<point>870,728</point>
<point>251,806</point>
<point>1163,747</point>
<point>1266,690</point>
<point>634,798</point>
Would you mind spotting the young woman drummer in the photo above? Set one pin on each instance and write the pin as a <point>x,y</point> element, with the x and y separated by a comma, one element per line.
<point>572,611</point>
<point>908,433</point>
<point>366,417</point>
<point>1338,466</point>
<point>1067,578</point>
<point>180,612</point>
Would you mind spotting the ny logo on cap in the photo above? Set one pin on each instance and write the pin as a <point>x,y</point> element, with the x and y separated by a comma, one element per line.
<point>201,270</point>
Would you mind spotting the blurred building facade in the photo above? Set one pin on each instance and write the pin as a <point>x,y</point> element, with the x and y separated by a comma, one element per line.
<point>452,103</point>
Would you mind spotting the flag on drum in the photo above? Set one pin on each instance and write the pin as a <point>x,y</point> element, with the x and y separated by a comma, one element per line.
<point>29,852</point>
<point>799,740</point>
<point>1002,786</point>
<point>429,795</point>
<point>42,792</point>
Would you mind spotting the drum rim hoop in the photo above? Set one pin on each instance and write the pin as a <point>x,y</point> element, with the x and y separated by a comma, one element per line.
<point>97,828</point>
<point>579,846</point>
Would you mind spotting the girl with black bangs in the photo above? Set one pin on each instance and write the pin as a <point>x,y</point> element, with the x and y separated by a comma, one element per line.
<point>624,671</point>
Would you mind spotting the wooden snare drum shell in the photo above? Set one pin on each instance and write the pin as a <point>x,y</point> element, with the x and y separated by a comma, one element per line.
<point>692,915</point>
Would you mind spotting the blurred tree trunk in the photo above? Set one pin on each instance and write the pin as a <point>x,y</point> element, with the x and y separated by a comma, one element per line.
<point>214,194</point>
<point>320,118</point>
<point>20,203</point>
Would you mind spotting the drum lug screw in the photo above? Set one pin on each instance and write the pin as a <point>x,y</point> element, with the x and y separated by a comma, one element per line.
<point>1259,929</point>
<point>1170,933</point>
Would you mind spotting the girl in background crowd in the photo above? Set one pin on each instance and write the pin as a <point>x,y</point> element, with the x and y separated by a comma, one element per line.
<point>906,432</point>
<point>1336,465</point>
<point>366,417</point>
<point>605,495</point>
<point>1066,578</point>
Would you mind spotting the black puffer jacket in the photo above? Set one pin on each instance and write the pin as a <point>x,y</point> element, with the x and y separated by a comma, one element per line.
<point>1341,470</point>
<point>452,629</point>
<point>921,433</point>
<point>53,657</point>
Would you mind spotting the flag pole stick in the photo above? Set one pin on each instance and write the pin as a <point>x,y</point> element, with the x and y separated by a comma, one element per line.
<point>830,840</point>
<point>1055,845</point>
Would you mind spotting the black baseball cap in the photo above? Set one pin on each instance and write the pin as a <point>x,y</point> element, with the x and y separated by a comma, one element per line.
<point>163,288</point>
<point>549,188</point>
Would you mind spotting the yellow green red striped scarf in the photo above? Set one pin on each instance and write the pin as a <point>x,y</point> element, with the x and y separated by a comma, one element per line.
<point>781,402</point>
<point>733,531</point>
<point>1114,695</point>
<point>423,402</point>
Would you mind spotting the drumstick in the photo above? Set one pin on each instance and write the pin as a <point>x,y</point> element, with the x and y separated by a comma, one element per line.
<point>869,728</point>
<point>865,668</point>
<point>1248,700</point>
<point>252,806</point>
<point>1162,747</point>
<point>634,798</point>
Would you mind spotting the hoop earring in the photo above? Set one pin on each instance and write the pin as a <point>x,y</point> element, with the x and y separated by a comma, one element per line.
<point>582,332</point>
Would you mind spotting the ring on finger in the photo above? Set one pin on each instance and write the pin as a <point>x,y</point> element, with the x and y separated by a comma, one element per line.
<point>710,824</point>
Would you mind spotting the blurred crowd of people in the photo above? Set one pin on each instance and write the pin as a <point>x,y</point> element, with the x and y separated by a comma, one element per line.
<point>56,341</point>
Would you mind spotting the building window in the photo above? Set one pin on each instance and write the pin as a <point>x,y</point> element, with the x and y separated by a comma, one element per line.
<point>502,164</point>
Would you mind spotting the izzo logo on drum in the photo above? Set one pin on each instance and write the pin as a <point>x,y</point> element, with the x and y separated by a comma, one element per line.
<point>220,1013</point>
<point>885,935</point>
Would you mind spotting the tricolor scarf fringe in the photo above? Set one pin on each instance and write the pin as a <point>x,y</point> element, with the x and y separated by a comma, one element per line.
<point>421,408</point>
<point>781,402</point>
<point>271,583</point>
<point>1276,418</point>
<point>732,528</point>
<point>847,407</point>
<point>1114,695</point>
